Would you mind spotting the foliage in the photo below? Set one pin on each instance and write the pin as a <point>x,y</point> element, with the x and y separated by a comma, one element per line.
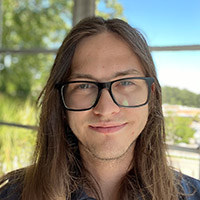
<point>30,24</point>
<point>172,95</point>
<point>16,144</point>
<point>112,7</point>
<point>178,129</point>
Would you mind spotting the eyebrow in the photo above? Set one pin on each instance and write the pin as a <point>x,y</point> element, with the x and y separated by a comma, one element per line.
<point>127,72</point>
<point>117,74</point>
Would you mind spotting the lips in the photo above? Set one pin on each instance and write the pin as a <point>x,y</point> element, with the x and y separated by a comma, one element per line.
<point>107,128</point>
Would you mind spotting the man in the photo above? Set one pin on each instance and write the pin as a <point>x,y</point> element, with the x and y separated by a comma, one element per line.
<point>101,133</point>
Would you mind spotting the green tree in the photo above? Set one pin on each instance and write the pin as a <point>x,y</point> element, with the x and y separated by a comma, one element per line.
<point>178,129</point>
<point>112,8</point>
<point>30,24</point>
<point>172,95</point>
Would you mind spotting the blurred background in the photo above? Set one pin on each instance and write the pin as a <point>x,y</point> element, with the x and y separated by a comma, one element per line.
<point>31,31</point>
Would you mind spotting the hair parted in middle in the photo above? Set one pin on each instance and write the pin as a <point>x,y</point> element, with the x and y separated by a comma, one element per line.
<point>57,169</point>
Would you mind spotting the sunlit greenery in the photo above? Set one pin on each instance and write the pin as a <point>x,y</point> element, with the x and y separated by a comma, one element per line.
<point>178,129</point>
<point>30,24</point>
<point>172,95</point>
<point>16,144</point>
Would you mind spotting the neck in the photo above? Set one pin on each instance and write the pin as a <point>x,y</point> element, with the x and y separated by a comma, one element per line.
<point>108,173</point>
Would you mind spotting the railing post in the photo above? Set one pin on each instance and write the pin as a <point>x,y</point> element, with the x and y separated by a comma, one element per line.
<point>82,9</point>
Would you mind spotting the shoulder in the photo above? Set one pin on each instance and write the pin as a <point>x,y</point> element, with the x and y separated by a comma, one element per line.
<point>10,192</point>
<point>191,187</point>
<point>11,187</point>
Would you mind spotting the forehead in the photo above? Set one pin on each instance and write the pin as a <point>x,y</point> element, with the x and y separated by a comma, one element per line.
<point>104,55</point>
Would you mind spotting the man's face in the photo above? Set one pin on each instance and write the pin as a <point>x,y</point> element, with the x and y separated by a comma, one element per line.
<point>106,131</point>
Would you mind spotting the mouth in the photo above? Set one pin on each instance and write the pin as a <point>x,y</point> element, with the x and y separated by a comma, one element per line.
<point>107,128</point>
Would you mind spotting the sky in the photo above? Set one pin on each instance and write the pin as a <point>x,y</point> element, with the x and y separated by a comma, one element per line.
<point>168,23</point>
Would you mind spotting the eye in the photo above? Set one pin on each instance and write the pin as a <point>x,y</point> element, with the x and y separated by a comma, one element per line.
<point>126,83</point>
<point>84,86</point>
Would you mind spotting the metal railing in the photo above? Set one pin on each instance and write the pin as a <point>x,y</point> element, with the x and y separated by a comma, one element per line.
<point>18,125</point>
<point>188,158</point>
<point>54,51</point>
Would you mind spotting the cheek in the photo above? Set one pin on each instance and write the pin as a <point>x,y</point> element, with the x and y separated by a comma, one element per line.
<point>76,121</point>
<point>72,120</point>
<point>144,118</point>
<point>139,116</point>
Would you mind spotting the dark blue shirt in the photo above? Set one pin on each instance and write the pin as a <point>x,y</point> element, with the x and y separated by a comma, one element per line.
<point>189,184</point>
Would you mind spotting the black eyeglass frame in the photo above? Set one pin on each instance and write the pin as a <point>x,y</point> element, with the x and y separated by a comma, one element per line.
<point>108,86</point>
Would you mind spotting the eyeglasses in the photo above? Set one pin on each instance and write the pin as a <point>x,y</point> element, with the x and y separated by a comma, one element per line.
<point>127,92</point>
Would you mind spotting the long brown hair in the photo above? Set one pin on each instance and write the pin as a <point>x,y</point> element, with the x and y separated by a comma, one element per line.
<point>57,170</point>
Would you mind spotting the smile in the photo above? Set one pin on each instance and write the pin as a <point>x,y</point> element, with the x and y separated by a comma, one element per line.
<point>108,128</point>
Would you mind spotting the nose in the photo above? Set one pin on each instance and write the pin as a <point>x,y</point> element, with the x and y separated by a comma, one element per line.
<point>106,106</point>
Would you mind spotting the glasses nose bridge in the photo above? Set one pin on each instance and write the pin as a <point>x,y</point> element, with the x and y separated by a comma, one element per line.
<point>101,86</point>
<point>106,85</point>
